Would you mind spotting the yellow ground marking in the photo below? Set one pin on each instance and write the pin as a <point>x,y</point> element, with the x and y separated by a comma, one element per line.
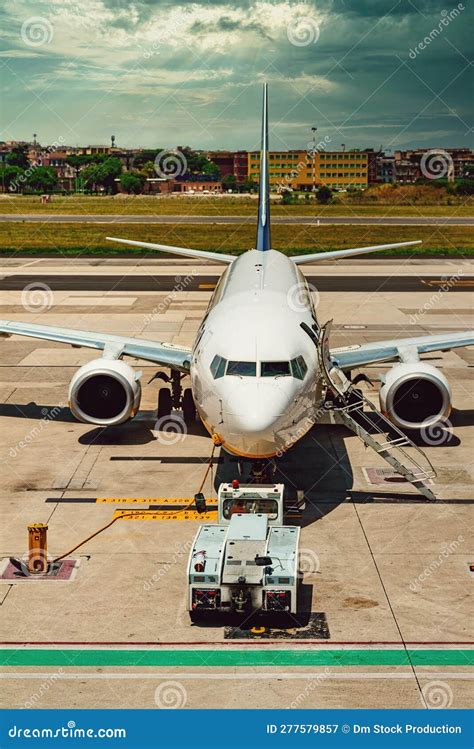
<point>452,282</point>
<point>207,286</point>
<point>168,515</point>
<point>151,500</point>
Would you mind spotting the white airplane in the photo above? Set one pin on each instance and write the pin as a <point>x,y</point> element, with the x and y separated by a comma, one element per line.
<point>260,367</point>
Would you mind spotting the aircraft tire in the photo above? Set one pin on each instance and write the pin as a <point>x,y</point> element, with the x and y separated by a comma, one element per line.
<point>164,402</point>
<point>189,408</point>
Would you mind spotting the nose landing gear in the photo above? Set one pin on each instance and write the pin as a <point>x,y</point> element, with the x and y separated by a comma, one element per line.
<point>260,471</point>
<point>188,406</point>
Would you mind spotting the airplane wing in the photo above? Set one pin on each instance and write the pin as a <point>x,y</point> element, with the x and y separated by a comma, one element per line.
<point>164,354</point>
<point>349,357</point>
<point>218,257</point>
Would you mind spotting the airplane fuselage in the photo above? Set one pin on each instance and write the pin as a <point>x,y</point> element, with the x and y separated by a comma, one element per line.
<point>254,370</point>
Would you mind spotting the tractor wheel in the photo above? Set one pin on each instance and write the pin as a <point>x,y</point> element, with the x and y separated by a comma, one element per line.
<point>197,617</point>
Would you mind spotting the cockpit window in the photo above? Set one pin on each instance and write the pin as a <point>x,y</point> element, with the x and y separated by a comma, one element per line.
<point>296,367</point>
<point>275,368</point>
<point>242,368</point>
<point>218,367</point>
<point>299,368</point>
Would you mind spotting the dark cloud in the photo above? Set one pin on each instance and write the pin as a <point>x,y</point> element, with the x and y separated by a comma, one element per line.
<point>379,8</point>
<point>225,24</point>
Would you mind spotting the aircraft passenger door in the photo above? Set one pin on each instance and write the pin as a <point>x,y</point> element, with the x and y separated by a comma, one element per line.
<point>201,341</point>
<point>335,377</point>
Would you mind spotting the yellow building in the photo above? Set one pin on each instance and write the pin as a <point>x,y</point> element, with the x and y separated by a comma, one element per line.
<point>301,170</point>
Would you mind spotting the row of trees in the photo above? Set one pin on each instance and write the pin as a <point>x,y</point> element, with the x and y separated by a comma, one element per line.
<point>229,182</point>
<point>96,172</point>
<point>17,173</point>
<point>460,186</point>
<point>323,195</point>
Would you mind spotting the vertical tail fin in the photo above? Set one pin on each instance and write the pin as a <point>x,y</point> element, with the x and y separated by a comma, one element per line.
<point>263,224</point>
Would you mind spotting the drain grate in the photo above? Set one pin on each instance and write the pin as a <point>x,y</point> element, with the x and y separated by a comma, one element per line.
<point>379,476</point>
<point>14,570</point>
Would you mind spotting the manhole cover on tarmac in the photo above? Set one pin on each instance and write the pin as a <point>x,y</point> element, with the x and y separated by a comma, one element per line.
<point>316,628</point>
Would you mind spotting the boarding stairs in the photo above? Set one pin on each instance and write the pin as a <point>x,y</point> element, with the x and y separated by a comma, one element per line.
<point>351,408</point>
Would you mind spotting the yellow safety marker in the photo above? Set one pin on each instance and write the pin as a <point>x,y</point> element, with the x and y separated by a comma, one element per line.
<point>207,286</point>
<point>166,515</point>
<point>37,548</point>
<point>152,500</point>
<point>452,282</point>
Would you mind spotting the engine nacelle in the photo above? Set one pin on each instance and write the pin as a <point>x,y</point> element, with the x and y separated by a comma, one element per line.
<point>105,392</point>
<point>415,394</point>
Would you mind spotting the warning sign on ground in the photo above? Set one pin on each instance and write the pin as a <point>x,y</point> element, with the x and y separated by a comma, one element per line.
<point>210,517</point>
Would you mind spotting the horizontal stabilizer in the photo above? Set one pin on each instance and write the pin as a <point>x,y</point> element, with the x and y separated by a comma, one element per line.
<point>336,254</point>
<point>216,256</point>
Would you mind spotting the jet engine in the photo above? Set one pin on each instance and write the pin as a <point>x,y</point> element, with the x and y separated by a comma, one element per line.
<point>105,392</point>
<point>415,394</point>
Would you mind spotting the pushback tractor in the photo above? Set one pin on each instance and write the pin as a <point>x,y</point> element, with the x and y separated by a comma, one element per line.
<point>248,561</point>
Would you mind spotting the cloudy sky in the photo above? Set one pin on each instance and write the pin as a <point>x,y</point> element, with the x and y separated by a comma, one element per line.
<point>161,73</point>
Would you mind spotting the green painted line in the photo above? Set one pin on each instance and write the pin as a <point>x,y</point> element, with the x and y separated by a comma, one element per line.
<point>209,658</point>
<point>441,657</point>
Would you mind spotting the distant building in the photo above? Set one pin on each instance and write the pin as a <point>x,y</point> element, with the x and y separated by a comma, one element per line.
<point>386,171</point>
<point>372,157</point>
<point>302,170</point>
<point>231,162</point>
<point>195,186</point>
<point>457,163</point>
<point>380,167</point>
<point>93,150</point>
<point>5,149</point>
<point>155,185</point>
<point>65,173</point>
<point>406,170</point>
<point>241,165</point>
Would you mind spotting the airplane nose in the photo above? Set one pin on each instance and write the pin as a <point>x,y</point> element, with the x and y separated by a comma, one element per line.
<point>255,422</point>
<point>254,410</point>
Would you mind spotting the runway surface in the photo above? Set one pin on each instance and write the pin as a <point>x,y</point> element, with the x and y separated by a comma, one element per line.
<point>191,219</point>
<point>159,283</point>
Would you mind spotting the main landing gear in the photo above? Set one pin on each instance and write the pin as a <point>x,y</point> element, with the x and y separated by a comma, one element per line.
<point>175,397</point>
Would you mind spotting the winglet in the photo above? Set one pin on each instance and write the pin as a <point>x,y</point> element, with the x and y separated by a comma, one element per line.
<point>263,223</point>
